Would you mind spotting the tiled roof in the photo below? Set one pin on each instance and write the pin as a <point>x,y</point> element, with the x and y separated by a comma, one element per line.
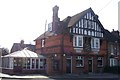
<point>76,17</point>
<point>62,30</point>
<point>19,46</point>
<point>45,34</point>
<point>110,37</point>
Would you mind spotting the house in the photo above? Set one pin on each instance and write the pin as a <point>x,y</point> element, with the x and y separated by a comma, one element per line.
<point>23,61</point>
<point>113,41</point>
<point>22,45</point>
<point>75,44</point>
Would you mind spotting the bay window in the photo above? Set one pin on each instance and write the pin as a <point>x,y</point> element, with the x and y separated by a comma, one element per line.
<point>78,41</point>
<point>95,43</point>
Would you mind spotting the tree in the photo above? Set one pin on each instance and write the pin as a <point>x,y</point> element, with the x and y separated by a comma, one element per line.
<point>4,51</point>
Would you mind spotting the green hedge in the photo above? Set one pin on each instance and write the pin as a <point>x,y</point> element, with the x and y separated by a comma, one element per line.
<point>114,69</point>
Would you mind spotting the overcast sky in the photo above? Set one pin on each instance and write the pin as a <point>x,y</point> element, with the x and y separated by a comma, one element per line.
<point>25,19</point>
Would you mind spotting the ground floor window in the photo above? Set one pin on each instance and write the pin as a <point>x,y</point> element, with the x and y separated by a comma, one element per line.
<point>79,61</point>
<point>100,62</point>
<point>113,62</point>
<point>33,63</point>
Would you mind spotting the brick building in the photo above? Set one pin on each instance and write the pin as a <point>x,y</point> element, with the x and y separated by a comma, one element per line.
<point>77,44</point>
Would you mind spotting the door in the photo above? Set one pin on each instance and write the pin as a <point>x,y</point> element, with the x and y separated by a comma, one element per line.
<point>90,65</point>
<point>17,65</point>
<point>68,66</point>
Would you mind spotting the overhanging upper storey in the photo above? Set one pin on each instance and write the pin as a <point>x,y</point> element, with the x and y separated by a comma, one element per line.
<point>86,23</point>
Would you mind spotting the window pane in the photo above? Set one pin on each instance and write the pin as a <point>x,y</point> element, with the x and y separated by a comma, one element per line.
<point>33,63</point>
<point>80,41</point>
<point>28,63</point>
<point>79,61</point>
<point>100,62</point>
<point>37,64</point>
<point>43,43</point>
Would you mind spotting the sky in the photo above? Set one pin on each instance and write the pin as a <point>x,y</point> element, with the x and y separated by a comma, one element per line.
<point>25,19</point>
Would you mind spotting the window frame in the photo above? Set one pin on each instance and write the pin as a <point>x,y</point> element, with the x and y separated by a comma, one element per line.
<point>81,59</point>
<point>76,41</point>
<point>43,43</point>
<point>100,59</point>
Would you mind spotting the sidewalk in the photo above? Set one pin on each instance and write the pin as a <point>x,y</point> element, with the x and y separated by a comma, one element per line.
<point>65,76</point>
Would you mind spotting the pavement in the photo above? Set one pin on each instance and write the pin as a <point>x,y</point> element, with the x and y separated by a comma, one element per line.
<point>65,76</point>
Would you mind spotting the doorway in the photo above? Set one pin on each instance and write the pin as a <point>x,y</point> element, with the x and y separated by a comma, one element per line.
<point>90,65</point>
<point>69,66</point>
<point>17,65</point>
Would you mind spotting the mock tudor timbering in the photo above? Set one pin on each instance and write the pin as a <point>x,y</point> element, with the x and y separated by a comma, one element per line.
<point>77,44</point>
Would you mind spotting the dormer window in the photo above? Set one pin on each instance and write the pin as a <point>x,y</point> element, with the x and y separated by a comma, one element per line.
<point>50,27</point>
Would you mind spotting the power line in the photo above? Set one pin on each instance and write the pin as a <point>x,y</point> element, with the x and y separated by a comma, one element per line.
<point>105,6</point>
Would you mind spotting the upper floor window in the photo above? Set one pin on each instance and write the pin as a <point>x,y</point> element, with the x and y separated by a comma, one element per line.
<point>85,32</point>
<point>82,23</point>
<point>80,31</point>
<point>50,27</point>
<point>43,43</point>
<point>85,23</point>
<point>76,30</point>
<point>95,43</point>
<point>76,24</point>
<point>78,41</point>
<point>73,30</point>
<point>88,32</point>
<point>79,24</point>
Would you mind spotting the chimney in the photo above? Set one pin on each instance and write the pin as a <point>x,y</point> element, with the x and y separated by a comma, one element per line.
<point>55,22</point>
<point>22,42</point>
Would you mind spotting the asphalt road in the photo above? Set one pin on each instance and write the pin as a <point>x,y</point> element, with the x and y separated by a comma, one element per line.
<point>69,79</point>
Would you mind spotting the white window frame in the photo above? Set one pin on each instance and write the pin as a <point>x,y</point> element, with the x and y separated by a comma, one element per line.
<point>85,32</point>
<point>80,58</point>
<point>79,24</point>
<point>82,23</point>
<point>76,30</point>
<point>43,43</point>
<point>113,62</point>
<point>76,41</point>
<point>73,30</point>
<point>85,23</point>
<point>100,58</point>
<point>88,32</point>
<point>94,46</point>
<point>50,27</point>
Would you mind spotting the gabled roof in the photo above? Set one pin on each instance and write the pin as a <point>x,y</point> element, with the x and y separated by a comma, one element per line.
<point>76,17</point>
<point>110,37</point>
<point>69,22</point>
<point>19,46</point>
<point>45,35</point>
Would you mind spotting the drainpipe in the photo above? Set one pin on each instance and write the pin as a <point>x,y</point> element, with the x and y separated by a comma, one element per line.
<point>62,51</point>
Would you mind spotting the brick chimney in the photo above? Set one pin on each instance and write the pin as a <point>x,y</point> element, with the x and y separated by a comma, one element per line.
<point>55,23</point>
